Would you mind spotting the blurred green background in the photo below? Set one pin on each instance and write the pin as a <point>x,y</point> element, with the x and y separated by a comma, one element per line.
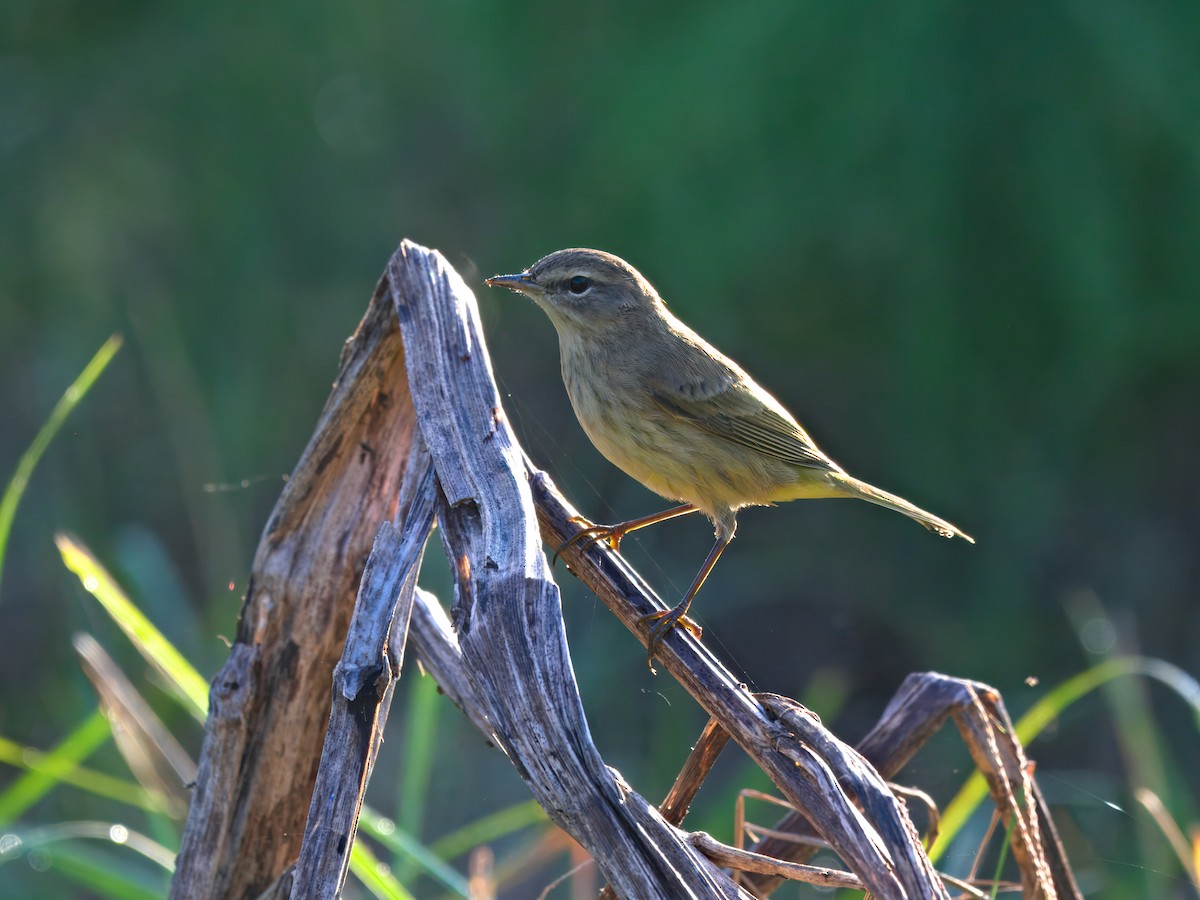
<point>958,240</point>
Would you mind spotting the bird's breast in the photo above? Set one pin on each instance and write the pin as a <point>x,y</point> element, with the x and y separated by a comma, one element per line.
<point>670,456</point>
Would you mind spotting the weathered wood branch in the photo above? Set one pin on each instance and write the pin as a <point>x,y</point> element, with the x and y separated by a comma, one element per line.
<point>436,646</point>
<point>919,709</point>
<point>363,681</point>
<point>269,704</point>
<point>747,861</point>
<point>816,772</point>
<point>508,613</point>
<point>922,705</point>
<point>418,361</point>
<point>704,754</point>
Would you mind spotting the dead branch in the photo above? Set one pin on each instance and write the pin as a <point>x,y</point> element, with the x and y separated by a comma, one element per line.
<point>363,681</point>
<point>704,754</point>
<point>269,704</point>
<point>919,709</point>
<point>813,769</point>
<point>509,667</point>
<point>746,861</point>
<point>508,614</point>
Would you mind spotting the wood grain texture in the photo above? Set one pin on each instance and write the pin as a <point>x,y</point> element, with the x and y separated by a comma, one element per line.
<point>819,774</point>
<point>922,705</point>
<point>417,375</point>
<point>507,608</point>
<point>363,682</point>
<point>269,703</point>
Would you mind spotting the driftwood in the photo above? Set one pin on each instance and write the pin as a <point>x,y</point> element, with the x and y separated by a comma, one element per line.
<point>508,615</point>
<point>269,703</point>
<point>915,714</point>
<point>363,682</point>
<point>508,666</point>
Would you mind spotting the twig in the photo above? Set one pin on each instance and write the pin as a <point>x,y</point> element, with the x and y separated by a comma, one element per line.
<point>811,767</point>
<point>919,709</point>
<point>700,761</point>
<point>724,855</point>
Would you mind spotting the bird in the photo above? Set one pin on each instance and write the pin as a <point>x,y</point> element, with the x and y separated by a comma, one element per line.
<point>676,414</point>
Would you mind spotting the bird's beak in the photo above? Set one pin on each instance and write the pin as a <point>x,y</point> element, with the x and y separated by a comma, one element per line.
<point>522,284</point>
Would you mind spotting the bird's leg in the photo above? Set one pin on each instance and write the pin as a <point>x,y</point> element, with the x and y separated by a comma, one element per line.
<point>665,620</point>
<point>612,534</point>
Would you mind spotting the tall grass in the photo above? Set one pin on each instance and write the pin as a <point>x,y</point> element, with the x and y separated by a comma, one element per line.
<point>110,859</point>
<point>29,459</point>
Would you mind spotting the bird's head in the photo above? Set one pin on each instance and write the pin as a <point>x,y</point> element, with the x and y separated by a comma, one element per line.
<point>584,291</point>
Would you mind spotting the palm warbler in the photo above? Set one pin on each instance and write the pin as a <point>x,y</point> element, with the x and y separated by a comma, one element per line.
<point>673,412</point>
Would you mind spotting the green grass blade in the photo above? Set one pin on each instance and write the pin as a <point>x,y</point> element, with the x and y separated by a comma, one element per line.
<point>29,459</point>
<point>374,876</point>
<point>97,875</point>
<point>405,846</point>
<point>61,846</point>
<point>63,771</point>
<point>111,833</point>
<point>489,828</point>
<point>1008,832</point>
<point>420,741</point>
<point>191,688</point>
<point>91,734</point>
<point>1050,707</point>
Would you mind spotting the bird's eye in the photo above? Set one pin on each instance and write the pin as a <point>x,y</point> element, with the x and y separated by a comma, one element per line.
<point>579,283</point>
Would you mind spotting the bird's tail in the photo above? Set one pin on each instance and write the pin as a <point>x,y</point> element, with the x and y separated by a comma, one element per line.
<point>855,488</point>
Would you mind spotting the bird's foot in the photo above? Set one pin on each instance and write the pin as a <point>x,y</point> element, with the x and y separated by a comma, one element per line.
<point>590,534</point>
<point>663,622</point>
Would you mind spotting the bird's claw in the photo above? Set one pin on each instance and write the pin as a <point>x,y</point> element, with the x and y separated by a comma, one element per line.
<point>664,621</point>
<point>588,535</point>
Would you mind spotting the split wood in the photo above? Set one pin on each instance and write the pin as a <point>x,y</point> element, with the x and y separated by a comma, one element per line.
<point>413,430</point>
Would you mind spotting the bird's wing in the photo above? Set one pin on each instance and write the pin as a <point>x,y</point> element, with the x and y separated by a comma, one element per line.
<point>716,396</point>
